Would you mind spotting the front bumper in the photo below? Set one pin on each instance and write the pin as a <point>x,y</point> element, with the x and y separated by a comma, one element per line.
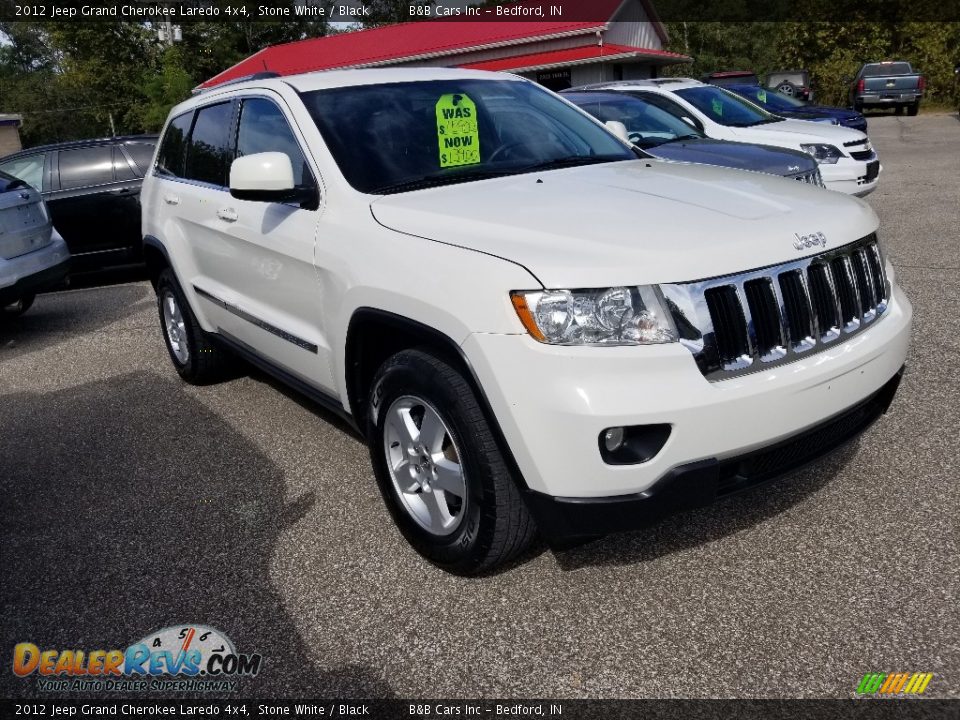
<point>850,176</point>
<point>553,402</point>
<point>34,271</point>
<point>700,483</point>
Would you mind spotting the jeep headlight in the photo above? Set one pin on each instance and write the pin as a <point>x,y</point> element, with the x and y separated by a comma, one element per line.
<point>607,316</point>
<point>824,154</point>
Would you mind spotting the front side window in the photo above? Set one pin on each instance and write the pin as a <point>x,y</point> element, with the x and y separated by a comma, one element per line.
<point>29,169</point>
<point>174,146</point>
<point>404,136</point>
<point>209,152</point>
<point>724,107</point>
<point>647,125</point>
<point>263,128</point>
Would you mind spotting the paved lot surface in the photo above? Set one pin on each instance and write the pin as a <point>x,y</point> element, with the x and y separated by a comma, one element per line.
<point>132,502</point>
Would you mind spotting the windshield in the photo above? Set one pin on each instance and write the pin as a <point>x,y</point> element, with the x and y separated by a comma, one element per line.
<point>647,125</point>
<point>724,107</point>
<point>405,136</point>
<point>769,99</point>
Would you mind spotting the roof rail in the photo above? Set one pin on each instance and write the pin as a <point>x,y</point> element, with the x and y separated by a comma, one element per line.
<point>265,75</point>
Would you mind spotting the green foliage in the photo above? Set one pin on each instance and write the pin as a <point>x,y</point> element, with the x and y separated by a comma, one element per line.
<point>78,80</point>
<point>833,52</point>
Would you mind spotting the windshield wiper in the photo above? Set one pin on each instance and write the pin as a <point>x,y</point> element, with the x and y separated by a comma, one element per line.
<point>568,161</point>
<point>429,181</point>
<point>691,136</point>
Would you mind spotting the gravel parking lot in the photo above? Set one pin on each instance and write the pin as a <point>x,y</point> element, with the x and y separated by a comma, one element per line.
<point>132,502</point>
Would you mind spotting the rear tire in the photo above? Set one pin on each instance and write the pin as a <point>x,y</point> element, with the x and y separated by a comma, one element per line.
<point>787,88</point>
<point>18,308</point>
<point>858,106</point>
<point>197,359</point>
<point>440,469</point>
<point>913,109</point>
<point>899,110</point>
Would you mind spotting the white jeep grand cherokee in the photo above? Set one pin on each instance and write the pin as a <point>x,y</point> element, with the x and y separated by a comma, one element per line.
<point>535,327</point>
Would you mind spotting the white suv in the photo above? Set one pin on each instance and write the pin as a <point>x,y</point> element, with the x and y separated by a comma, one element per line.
<point>534,326</point>
<point>848,162</point>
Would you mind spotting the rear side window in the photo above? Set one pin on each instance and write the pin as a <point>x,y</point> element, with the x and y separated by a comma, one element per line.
<point>141,154</point>
<point>209,152</point>
<point>173,147</point>
<point>263,128</point>
<point>86,167</point>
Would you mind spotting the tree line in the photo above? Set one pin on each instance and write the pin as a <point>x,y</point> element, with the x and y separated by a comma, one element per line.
<point>77,80</point>
<point>831,51</point>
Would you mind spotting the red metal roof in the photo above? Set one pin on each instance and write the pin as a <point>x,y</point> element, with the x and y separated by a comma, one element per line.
<point>572,56</point>
<point>417,40</point>
<point>393,43</point>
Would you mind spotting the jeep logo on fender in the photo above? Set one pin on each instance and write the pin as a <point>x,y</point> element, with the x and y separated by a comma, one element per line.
<point>803,242</point>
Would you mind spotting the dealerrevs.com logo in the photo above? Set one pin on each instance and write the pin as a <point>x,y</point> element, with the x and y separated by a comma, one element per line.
<point>180,658</point>
<point>894,683</point>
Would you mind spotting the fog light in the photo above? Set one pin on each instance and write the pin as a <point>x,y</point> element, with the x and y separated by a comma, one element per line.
<point>613,439</point>
<point>632,444</point>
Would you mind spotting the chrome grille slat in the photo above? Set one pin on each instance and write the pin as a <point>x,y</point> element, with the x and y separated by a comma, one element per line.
<point>735,325</point>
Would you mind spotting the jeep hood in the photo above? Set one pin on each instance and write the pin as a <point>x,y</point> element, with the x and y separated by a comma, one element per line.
<point>632,222</point>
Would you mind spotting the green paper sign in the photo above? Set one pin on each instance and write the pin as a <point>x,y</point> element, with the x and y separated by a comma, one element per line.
<point>762,96</point>
<point>458,134</point>
<point>717,107</point>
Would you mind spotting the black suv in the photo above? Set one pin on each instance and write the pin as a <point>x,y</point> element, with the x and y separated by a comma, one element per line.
<point>92,188</point>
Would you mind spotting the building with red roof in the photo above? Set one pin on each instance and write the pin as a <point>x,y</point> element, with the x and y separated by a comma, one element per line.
<point>602,40</point>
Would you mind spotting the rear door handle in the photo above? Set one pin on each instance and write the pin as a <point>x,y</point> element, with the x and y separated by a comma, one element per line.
<point>171,199</point>
<point>227,214</point>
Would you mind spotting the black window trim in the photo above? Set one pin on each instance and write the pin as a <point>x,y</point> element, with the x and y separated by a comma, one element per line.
<point>188,138</point>
<point>232,145</point>
<point>295,129</point>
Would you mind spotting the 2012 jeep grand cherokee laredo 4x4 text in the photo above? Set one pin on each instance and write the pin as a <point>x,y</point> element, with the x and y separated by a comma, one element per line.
<point>534,326</point>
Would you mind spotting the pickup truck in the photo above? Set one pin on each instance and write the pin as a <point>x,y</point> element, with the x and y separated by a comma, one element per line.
<point>887,84</point>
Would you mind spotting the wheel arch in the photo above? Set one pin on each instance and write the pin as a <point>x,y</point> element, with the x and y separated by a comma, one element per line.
<point>374,335</point>
<point>156,257</point>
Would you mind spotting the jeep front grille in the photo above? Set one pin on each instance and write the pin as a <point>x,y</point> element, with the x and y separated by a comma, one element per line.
<point>738,324</point>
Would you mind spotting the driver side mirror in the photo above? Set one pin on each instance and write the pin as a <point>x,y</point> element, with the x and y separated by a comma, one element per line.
<point>266,177</point>
<point>618,129</point>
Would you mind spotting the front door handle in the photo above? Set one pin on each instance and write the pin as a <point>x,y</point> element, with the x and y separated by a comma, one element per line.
<point>227,214</point>
<point>171,199</point>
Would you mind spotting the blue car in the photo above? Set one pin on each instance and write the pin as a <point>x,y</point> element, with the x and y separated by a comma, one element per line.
<point>784,106</point>
<point>666,136</point>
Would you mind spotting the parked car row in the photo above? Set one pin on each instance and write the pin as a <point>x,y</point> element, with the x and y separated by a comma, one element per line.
<point>877,85</point>
<point>92,191</point>
<point>846,159</point>
<point>537,326</point>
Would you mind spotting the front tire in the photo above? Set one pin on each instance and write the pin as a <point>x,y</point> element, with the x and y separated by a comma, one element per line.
<point>18,308</point>
<point>194,355</point>
<point>440,469</point>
